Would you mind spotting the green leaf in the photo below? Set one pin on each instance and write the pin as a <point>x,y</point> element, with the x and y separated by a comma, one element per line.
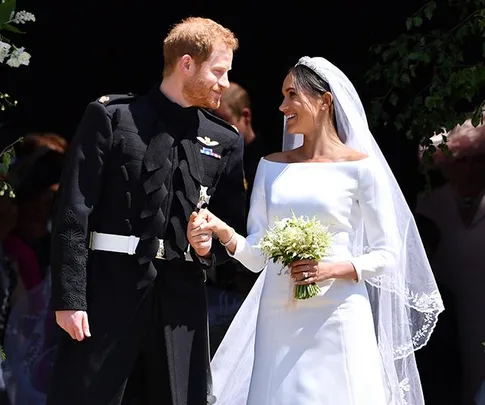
<point>412,70</point>
<point>429,9</point>
<point>415,56</point>
<point>417,21</point>
<point>386,55</point>
<point>477,117</point>
<point>426,142</point>
<point>7,155</point>
<point>377,49</point>
<point>11,28</point>
<point>430,101</point>
<point>3,168</point>
<point>409,24</point>
<point>398,123</point>
<point>462,32</point>
<point>6,9</point>
<point>393,99</point>
<point>5,161</point>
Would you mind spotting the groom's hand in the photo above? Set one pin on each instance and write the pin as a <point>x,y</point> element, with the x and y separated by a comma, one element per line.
<point>200,239</point>
<point>75,323</point>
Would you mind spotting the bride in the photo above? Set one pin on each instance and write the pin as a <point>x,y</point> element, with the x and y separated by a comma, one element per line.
<point>353,343</point>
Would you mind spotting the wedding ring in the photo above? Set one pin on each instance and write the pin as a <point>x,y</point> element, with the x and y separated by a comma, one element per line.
<point>305,275</point>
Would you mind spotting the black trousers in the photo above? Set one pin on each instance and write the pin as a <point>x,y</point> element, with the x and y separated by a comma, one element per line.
<point>158,358</point>
<point>149,381</point>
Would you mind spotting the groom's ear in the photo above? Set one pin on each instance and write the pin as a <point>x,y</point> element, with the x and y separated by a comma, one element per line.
<point>186,63</point>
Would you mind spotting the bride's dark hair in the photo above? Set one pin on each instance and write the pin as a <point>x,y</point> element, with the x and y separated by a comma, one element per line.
<point>308,81</point>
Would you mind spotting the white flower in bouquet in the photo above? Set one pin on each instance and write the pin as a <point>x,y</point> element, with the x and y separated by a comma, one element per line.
<point>297,238</point>
<point>4,50</point>
<point>21,17</point>
<point>18,57</point>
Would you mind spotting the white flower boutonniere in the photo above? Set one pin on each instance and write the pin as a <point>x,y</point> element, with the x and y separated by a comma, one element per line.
<point>203,197</point>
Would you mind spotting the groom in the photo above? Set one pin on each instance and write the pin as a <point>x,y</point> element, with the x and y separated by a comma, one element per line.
<point>127,289</point>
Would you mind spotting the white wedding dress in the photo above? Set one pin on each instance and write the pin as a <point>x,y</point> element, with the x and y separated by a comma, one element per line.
<point>320,351</point>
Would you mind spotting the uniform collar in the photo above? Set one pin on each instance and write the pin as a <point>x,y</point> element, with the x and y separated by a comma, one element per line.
<point>171,111</point>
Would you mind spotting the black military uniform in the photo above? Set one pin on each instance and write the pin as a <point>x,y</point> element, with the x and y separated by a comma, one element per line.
<point>133,175</point>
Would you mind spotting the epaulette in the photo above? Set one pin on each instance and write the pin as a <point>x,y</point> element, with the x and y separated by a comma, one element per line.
<point>210,115</point>
<point>116,99</point>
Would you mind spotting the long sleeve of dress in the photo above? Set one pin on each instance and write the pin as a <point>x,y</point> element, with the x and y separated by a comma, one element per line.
<point>228,203</point>
<point>79,191</point>
<point>246,251</point>
<point>375,202</point>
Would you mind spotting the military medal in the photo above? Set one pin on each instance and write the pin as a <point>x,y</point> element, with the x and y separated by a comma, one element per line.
<point>210,152</point>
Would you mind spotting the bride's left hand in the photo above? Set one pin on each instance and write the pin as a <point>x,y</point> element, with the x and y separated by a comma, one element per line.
<point>310,271</point>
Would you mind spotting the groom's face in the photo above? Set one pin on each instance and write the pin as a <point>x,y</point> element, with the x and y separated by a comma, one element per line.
<point>205,86</point>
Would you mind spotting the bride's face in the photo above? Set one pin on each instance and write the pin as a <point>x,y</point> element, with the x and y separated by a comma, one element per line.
<point>302,110</point>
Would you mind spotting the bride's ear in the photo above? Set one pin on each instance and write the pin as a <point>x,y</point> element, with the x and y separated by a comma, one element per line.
<point>327,100</point>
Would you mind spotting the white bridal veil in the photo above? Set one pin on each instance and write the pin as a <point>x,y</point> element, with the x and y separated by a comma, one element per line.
<point>405,302</point>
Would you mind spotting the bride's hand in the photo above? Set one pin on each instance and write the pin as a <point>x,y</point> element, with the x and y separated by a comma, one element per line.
<point>225,233</point>
<point>310,271</point>
<point>212,223</point>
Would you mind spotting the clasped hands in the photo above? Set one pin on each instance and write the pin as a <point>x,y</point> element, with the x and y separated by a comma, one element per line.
<point>203,225</point>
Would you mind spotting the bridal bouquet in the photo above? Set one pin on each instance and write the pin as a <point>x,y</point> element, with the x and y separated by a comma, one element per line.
<point>297,238</point>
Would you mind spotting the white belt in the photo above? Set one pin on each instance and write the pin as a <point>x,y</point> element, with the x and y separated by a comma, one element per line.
<point>123,244</point>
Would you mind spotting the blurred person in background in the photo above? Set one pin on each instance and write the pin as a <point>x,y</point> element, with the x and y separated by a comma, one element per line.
<point>457,208</point>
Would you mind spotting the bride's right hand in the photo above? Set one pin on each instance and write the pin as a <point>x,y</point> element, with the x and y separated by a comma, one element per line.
<point>222,230</point>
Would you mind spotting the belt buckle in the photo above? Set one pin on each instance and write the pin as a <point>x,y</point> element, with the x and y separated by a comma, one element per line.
<point>161,250</point>
<point>91,238</point>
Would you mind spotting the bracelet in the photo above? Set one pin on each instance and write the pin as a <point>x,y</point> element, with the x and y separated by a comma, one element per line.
<point>230,239</point>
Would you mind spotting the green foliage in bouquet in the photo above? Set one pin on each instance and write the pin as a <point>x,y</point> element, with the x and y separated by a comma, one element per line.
<point>297,238</point>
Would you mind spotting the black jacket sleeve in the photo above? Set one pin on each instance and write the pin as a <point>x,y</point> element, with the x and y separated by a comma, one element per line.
<point>79,191</point>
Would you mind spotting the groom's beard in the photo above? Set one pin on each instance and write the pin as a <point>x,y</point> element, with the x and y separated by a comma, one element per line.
<point>199,94</point>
